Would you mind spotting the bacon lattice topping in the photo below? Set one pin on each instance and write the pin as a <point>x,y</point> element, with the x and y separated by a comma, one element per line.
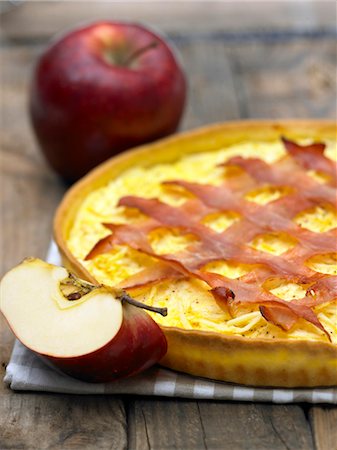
<point>232,244</point>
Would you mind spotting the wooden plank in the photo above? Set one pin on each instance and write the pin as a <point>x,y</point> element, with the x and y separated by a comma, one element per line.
<point>30,191</point>
<point>224,85</point>
<point>212,96</point>
<point>261,426</point>
<point>36,19</point>
<point>31,421</point>
<point>290,80</point>
<point>286,79</point>
<point>323,420</point>
<point>29,195</point>
<point>163,424</point>
<point>279,79</point>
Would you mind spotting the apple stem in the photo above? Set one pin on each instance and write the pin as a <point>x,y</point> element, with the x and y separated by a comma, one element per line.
<point>86,287</point>
<point>139,52</point>
<point>124,297</point>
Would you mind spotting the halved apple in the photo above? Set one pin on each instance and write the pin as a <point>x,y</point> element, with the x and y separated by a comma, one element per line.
<point>89,332</point>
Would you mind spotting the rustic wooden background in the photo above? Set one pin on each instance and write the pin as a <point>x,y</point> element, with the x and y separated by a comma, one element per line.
<point>243,60</point>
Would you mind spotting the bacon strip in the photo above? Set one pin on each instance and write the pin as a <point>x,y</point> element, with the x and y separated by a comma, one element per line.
<point>324,290</point>
<point>311,157</point>
<point>210,249</point>
<point>279,315</point>
<point>151,275</point>
<point>251,293</point>
<point>306,187</point>
<point>277,216</point>
<point>213,246</point>
<point>135,236</point>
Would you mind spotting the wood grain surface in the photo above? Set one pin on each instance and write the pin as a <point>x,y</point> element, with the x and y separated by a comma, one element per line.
<point>38,19</point>
<point>261,75</point>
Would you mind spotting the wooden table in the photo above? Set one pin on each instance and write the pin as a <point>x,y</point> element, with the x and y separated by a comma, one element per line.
<point>238,73</point>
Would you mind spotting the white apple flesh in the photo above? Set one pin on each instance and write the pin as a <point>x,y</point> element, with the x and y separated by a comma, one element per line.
<point>85,331</point>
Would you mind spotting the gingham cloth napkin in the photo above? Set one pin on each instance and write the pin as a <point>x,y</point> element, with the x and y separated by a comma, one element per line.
<point>26,372</point>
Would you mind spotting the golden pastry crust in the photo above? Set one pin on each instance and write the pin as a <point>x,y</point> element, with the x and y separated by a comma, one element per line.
<point>254,362</point>
<point>251,361</point>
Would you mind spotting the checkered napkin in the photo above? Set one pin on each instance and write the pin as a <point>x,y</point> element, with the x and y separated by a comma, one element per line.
<point>26,372</point>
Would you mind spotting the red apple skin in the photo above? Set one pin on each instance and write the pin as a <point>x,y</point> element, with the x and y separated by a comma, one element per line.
<point>85,109</point>
<point>138,345</point>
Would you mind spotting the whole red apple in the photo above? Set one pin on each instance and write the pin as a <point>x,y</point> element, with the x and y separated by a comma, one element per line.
<point>101,89</point>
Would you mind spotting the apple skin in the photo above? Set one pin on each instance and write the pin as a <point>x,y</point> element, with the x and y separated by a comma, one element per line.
<point>138,345</point>
<point>86,106</point>
<point>34,288</point>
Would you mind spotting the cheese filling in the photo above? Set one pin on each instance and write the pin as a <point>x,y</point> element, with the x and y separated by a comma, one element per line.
<point>189,302</point>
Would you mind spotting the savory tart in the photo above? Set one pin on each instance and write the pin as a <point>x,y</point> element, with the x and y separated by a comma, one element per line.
<point>232,228</point>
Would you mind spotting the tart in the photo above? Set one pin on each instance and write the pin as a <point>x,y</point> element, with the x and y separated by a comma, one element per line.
<point>232,227</point>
